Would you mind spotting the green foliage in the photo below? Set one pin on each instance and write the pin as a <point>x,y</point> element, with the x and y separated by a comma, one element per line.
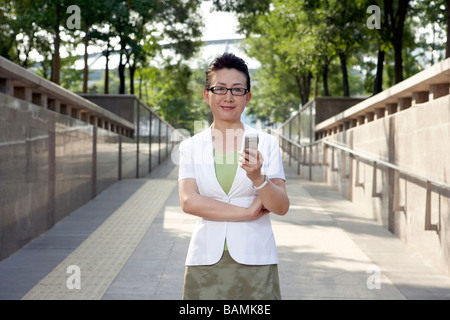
<point>174,92</point>
<point>132,27</point>
<point>19,26</point>
<point>305,47</point>
<point>318,47</point>
<point>70,77</point>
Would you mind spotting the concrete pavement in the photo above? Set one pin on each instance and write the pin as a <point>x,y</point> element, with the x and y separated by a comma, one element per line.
<point>326,251</point>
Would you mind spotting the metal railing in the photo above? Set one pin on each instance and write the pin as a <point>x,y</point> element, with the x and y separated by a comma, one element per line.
<point>303,153</point>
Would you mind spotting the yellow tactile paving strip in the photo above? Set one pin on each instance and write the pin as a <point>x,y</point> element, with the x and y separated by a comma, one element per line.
<point>102,255</point>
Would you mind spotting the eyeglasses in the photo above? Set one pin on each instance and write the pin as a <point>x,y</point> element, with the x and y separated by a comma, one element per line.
<point>223,91</point>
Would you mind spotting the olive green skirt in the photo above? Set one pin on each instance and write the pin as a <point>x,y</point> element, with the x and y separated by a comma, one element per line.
<point>229,280</point>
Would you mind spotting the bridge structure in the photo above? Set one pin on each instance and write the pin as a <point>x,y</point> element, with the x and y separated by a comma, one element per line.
<point>89,203</point>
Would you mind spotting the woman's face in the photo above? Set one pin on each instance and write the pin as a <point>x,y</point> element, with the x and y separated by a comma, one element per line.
<point>227,107</point>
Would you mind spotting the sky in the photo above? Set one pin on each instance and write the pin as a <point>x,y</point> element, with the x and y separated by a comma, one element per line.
<point>218,25</point>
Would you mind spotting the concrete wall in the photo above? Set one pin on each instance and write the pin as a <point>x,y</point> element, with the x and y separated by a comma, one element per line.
<point>417,140</point>
<point>153,134</point>
<point>52,163</point>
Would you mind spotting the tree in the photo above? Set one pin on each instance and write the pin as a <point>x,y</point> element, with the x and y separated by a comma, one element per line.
<point>432,17</point>
<point>170,89</point>
<point>28,25</point>
<point>306,35</point>
<point>284,51</point>
<point>50,17</point>
<point>18,31</point>
<point>53,19</point>
<point>8,29</point>
<point>395,18</point>
<point>338,27</point>
<point>94,14</point>
<point>142,23</point>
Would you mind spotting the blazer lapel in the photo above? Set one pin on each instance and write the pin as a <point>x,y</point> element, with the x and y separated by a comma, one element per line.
<point>241,175</point>
<point>207,167</point>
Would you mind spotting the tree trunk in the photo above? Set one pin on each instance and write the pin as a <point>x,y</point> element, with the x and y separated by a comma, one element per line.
<point>397,23</point>
<point>447,13</point>
<point>56,66</point>
<point>315,86</point>
<point>85,71</point>
<point>378,83</point>
<point>132,69</point>
<point>106,90</point>
<point>345,84</point>
<point>326,91</point>
<point>122,70</point>
<point>140,85</point>
<point>304,86</point>
<point>398,55</point>
<point>307,78</point>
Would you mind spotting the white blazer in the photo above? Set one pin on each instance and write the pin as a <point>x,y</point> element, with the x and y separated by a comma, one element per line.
<point>249,242</point>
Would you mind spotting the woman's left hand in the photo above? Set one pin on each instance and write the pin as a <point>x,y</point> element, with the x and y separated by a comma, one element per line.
<point>273,196</point>
<point>252,163</point>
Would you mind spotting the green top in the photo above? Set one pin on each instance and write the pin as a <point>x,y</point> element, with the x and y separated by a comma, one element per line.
<point>225,165</point>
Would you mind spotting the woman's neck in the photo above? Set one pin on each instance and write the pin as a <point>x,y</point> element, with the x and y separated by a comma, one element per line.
<point>223,126</point>
<point>227,138</point>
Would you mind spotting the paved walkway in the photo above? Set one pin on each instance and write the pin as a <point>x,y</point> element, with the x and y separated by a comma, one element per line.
<point>130,242</point>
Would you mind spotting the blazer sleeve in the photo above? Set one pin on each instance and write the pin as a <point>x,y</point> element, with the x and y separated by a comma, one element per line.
<point>274,163</point>
<point>186,163</point>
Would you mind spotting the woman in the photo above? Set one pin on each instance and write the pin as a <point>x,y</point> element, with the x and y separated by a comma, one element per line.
<point>232,253</point>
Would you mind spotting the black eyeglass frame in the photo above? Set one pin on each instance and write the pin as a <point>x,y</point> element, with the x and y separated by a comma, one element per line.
<point>231,90</point>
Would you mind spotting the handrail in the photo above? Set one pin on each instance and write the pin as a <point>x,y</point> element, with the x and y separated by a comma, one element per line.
<point>367,157</point>
<point>288,139</point>
<point>388,164</point>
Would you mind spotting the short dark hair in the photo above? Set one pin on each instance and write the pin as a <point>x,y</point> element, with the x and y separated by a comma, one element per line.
<point>227,61</point>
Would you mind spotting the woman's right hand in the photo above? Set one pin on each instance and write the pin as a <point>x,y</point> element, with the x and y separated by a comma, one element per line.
<point>256,210</point>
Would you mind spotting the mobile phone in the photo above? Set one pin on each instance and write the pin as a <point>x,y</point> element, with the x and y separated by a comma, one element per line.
<point>251,142</point>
